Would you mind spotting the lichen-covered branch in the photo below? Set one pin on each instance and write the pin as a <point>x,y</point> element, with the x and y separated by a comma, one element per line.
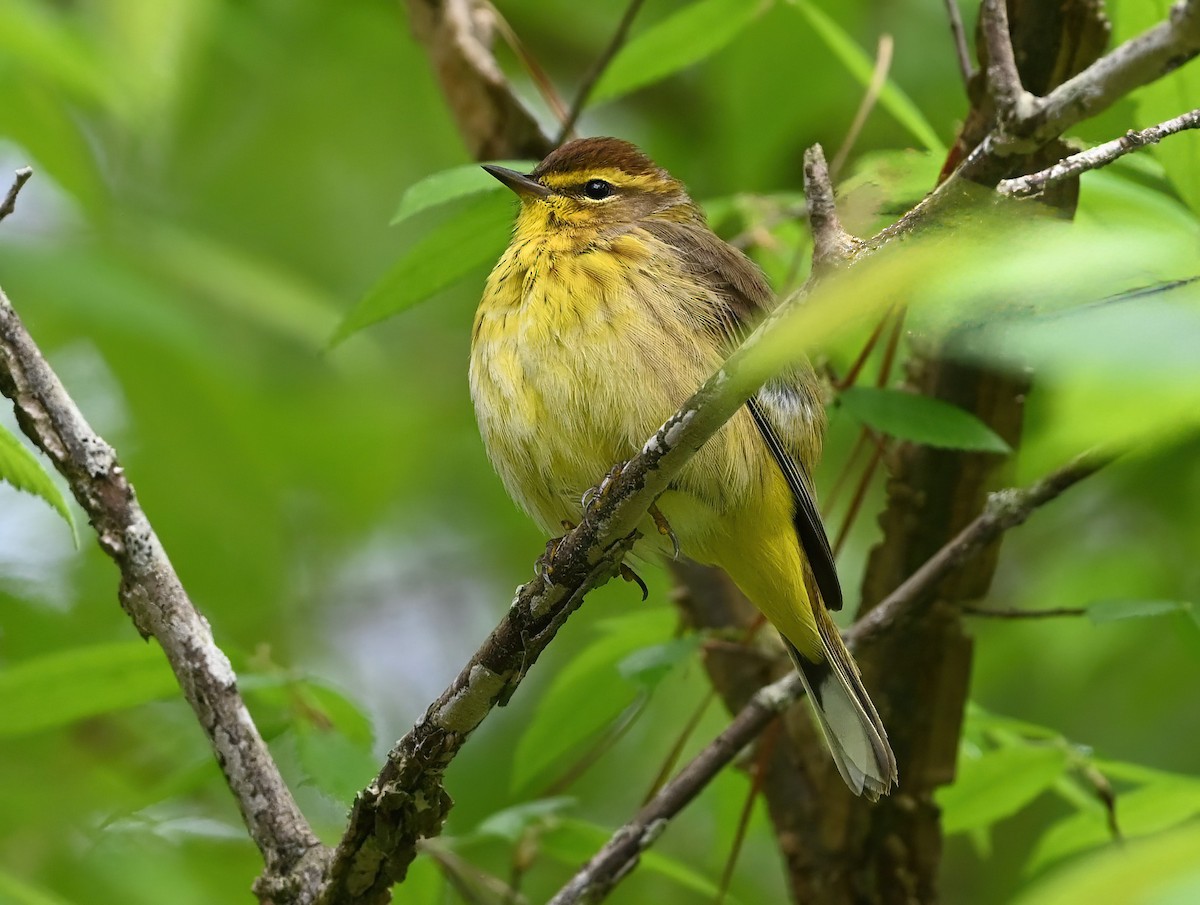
<point>1006,509</point>
<point>1099,156</point>
<point>155,600</point>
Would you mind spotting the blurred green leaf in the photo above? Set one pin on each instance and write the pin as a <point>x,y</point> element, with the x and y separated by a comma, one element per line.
<point>60,688</point>
<point>1166,801</point>
<point>15,891</point>
<point>921,419</point>
<point>682,39</point>
<point>650,665</point>
<point>473,236</point>
<point>334,763</point>
<point>19,467</point>
<point>575,841</point>
<point>511,823</point>
<point>1162,870</point>
<point>585,695</point>
<point>450,185</point>
<point>1115,610</point>
<point>997,784</point>
<point>861,66</point>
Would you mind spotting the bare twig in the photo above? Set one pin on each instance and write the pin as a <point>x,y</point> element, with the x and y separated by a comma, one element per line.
<point>493,122</point>
<point>1018,613</point>
<point>543,82</point>
<point>883,63</point>
<point>1099,156</point>
<point>961,49</point>
<point>155,600</point>
<point>832,245</point>
<point>1004,81</point>
<point>597,70</point>
<point>620,855</point>
<point>20,177</point>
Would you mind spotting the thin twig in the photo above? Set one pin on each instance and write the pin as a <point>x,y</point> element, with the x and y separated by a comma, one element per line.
<point>883,64</point>
<point>1004,81</point>
<point>1006,509</point>
<point>20,177</point>
<point>153,596</point>
<point>832,245</point>
<point>961,49</point>
<point>597,70</point>
<point>1099,156</point>
<point>1018,613</point>
<point>543,82</point>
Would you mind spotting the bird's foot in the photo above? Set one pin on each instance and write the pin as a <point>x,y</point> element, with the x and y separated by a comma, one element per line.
<point>664,528</point>
<point>592,498</point>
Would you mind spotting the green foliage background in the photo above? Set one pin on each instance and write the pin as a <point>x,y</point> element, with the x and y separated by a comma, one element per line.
<point>213,185</point>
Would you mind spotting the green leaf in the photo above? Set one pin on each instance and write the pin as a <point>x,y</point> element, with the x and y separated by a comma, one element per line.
<point>16,891</point>
<point>650,665</point>
<point>586,695</point>
<point>678,41</point>
<point>474,236</point>
<point>1168,800</point>
<point>997,784</point>
<point>909,416</point>
<point>1158,871</point>
<point>861,66</point>
<point>511,823</point>
<point>575,841</point>
<point>450,185</point>
<point>1103,611</point>
<point>59,688</point>
<point>334,762</point>
<point>19,467</point>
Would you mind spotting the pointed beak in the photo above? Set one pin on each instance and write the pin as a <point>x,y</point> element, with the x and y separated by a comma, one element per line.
<point>526,188</point>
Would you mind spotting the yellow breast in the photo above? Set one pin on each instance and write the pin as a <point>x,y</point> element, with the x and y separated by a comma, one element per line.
<point>578,356</point>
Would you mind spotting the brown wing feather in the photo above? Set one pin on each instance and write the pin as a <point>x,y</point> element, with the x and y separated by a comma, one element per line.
<point>787,411</point>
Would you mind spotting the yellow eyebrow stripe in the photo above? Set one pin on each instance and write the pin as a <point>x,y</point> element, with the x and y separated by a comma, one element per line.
<point>619,178</point>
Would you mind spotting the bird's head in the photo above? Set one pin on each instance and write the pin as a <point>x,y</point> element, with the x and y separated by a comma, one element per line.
<point>594,186</point>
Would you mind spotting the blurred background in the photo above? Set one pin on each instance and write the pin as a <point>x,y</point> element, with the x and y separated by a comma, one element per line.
<point>213,187</point>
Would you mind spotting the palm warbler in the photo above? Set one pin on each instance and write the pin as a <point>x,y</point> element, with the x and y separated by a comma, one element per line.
<point>612,304</point>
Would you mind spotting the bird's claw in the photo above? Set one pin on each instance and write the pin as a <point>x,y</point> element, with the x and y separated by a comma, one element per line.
<point>664,528</point>
<point>629,575</point>
<point>593,496</point>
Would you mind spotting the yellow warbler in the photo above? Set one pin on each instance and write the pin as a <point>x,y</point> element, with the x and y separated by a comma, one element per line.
<point>612,304</point>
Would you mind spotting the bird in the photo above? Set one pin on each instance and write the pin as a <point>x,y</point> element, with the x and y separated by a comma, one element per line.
<point>612,303</point>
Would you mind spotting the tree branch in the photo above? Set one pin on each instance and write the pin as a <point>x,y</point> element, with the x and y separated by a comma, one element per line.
<point>1004,81</point>
<point>832,245</point>
<point>493,122</point>
<point>1006,509</point>
<point>597,70</point>
<point>961,49</point>
<point>1099,156</point>
<point>20,177</point>
<point>155,600</point>
<point>1018,613</point>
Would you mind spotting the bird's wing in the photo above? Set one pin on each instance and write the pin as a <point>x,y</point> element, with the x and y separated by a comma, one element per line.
<point>787,411</point>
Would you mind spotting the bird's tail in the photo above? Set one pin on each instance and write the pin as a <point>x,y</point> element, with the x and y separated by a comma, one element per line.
<point>851,725</point>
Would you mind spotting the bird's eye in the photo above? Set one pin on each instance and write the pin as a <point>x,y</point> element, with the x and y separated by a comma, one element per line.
<point>597,189</point>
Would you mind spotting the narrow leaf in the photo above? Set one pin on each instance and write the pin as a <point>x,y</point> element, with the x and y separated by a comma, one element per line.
<point>678,41</point>
<point>19,467</point>
<point>450,185</point>
<point>861,66</point>
<point>998,784</point>
<point>909,416</point>
<point>511,823</point>
<point>474,236</point>
<point>1115,610</point>
<point>57,689</point>
<point>650,665</point>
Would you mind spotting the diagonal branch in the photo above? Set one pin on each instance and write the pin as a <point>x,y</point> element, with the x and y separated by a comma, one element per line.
<point>1006,509</point>
<point>407,801</point>
<point>153,596</point>
<point>1099,156</point>
<point>597,70</point>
